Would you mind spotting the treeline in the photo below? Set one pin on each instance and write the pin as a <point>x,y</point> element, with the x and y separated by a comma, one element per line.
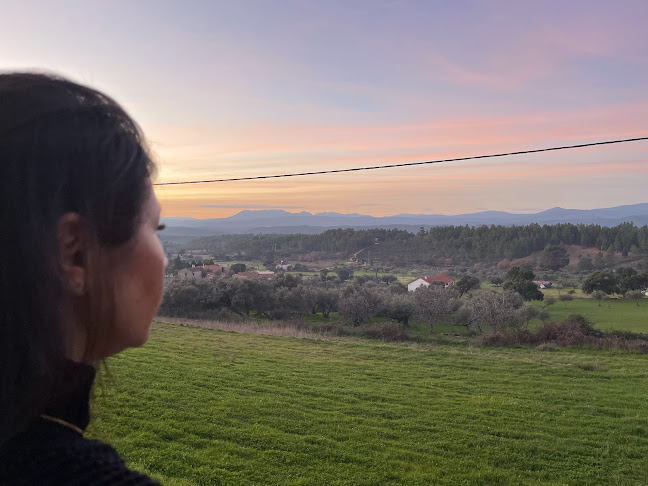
<point>449,245</point>
<point>357,301</point>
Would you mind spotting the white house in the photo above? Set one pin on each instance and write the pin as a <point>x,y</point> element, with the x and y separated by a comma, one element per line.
<point>440,280</point>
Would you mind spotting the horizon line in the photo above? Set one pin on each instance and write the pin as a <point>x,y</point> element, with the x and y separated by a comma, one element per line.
<point>520,213</point>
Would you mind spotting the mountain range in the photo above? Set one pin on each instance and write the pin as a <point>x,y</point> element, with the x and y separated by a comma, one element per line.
<point>180,229</point>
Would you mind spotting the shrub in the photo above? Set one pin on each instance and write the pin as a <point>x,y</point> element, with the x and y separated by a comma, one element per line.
<point>576,330</point>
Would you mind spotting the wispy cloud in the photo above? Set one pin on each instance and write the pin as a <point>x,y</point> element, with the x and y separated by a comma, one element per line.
<point>212,152</point>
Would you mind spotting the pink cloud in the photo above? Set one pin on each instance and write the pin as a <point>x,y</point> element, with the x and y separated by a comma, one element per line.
<point>511,60</point>
<point>186,152</point>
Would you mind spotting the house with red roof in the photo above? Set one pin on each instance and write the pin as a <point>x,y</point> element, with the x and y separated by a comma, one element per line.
<point>543,284</point>
<point>437,280</point>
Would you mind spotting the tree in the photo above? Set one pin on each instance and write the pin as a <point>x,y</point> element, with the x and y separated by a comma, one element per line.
<point>398,288</point>
<point>463,317</point>
<point>344,273</point>
<point>566,298</point>
<point>396,306</point>
<point>388,278</point>
<point>526,288</point>
<point>519,273</point>
<point>238,267</point>
<point>554,257</point>
<point>635,295</point>
<point>465,245</point>
<point>324,301</point>
<point>603,281</point>
<point>466,284</point>
<point>177,264</point>
<point>297,299</point>
<point>357,304</point>
<point>599,295</point>
<point>549,300</point>
<point>362,279</point>
<point>529,312</point>
<point>544,315</point>
<point>497,281</point>
<point>287,280</point>
<point>497,310</point>
<point>180,299</point>
<point>628,280</point>
<point>599,261</point>
<point>585,264</point>
<point>252,294</point>
<point>432,304</point>
<point>520,280</point>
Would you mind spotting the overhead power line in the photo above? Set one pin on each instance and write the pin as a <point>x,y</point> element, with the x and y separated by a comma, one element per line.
<point>405,164</point>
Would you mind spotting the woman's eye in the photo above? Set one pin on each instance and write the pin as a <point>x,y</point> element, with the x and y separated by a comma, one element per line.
<point>161,227</point>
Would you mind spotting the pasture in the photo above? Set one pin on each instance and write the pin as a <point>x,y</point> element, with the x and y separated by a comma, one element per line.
<point>205,407</point>
<point>611,315</point>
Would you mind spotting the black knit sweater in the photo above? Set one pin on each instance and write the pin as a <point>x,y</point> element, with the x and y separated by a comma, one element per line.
<point>49,453</point>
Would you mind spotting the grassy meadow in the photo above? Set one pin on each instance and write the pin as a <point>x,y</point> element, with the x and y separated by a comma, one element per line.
<point>207,407</point>
<point>611,315</point>
<point>614,314</point>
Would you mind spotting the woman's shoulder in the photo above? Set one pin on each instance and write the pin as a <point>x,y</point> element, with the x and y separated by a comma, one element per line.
<point>65,458</point>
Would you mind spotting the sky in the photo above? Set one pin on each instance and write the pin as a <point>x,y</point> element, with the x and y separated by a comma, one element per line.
<point>237,89</point>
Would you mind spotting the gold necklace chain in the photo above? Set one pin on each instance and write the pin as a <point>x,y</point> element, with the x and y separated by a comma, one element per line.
<point>63,423</point>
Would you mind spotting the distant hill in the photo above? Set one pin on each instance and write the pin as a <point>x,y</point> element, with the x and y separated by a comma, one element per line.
<point>279,221</point>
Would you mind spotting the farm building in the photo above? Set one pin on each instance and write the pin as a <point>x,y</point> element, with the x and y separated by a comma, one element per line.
<point>543,284</point>
<point>440,280</point>
<point>209,271</point>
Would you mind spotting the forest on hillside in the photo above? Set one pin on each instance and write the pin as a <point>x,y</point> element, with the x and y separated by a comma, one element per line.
<point>441,245</point>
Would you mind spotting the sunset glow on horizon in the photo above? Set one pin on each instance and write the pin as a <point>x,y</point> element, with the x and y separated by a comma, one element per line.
<point>238,89</point>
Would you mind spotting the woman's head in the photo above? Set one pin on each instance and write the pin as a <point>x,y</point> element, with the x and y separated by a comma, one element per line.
<point>82,269</point>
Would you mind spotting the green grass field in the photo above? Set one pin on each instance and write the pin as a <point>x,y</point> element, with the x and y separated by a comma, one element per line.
<point>611,315</point>
<point>198,406</point>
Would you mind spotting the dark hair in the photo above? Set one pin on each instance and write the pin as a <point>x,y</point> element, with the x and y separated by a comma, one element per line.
<point>63,148</point>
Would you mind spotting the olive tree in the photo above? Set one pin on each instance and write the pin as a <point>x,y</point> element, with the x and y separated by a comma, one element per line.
<point>398,307</point>
<point>432,304</point>
<point>497,310</point>
<point>358,304</point>
<point>636,295</point>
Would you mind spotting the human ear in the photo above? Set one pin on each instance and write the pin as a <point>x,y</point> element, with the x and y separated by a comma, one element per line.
<point>72,251</point>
